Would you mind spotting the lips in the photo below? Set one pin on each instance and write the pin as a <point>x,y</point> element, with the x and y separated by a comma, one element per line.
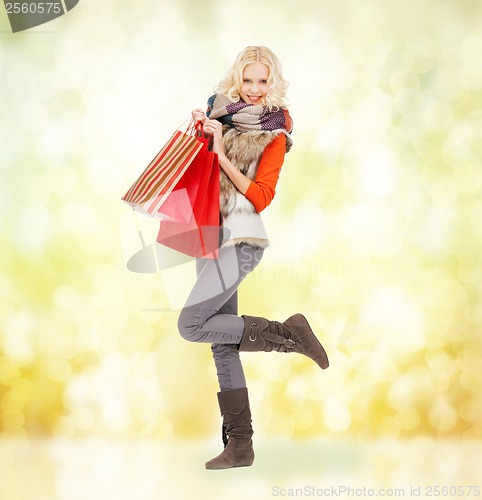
<point>254,98</point>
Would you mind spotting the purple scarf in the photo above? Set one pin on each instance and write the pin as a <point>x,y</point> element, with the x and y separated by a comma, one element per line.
<point>245,117</point>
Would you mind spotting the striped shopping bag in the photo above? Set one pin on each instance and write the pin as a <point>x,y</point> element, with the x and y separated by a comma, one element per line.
<point>154,185</point>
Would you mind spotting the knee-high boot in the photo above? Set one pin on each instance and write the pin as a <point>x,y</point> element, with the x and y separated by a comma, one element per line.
<point>293,335</point>
<point>237,431</point>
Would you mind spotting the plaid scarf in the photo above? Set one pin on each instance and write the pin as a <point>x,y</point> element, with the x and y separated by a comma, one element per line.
<point>246,117</point>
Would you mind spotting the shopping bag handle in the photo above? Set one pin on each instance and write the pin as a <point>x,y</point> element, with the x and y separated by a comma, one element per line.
<point>194,128</point>
<point>199,126</point>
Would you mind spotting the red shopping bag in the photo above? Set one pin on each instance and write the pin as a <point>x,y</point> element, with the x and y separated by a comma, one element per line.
<point>149,192</point>
<point>192,207</point>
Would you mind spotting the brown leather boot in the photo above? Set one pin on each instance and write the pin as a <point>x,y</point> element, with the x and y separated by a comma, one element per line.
<point>294,335</point>
<point>237,431</point>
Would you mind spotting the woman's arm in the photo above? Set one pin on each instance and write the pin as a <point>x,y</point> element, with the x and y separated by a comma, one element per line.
<point>261,191</point>
<point>214,128</point>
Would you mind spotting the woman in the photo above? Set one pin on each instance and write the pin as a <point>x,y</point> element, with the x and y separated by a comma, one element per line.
<point>251,132</point>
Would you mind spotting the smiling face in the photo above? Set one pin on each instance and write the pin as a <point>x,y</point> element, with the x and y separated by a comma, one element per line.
<point>255,83</point>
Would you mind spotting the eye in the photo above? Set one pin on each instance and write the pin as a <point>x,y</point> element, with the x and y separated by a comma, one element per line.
<point>246,80</point>
<point>264,81</point>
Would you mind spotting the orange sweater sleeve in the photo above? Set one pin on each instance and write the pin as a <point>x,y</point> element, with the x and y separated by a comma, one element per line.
<point>261,191</point>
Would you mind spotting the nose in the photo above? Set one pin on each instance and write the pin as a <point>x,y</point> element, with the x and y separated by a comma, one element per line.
<point>254,87</point>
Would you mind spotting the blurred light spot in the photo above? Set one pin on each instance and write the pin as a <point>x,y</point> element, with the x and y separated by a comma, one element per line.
<point>420,55</point>
<point>87,337</point>
<point>115,414</point>
<point>59,370</point>
<point>313,220</point>
<point>173,27</point>
<point>302,418</point>
<point>471,48</point>
<point>402,79</point>
<point>83,418</point>
<point>32,115</point>
<point>18,78</point>
<point>9,402</point>
<point>62,180</point>
<point>458,144</point>
<point>12,421</point>
<point>437,115</point>
<point>105,176</point>
<point>377,171</point>
<point>66,347</point>
<point>471,77</point>
<point>67,298</point>
<point>37,189</point>
<point>471,72</point>
<point>408,418</point>
<point>31,231</point>
<point>402,391</point>
<point>467,179</point>
<point>389,427</point>
<point>336,413</point>
<point>18,337</point>
<point>469,359</point>
<point>393,315</point>
<point>329,138</point>
<point>382,367</point>
<point>409,101</point>
<point>469,380</point>
<point>69,75</point>
<point>371,227</point>
<point>80,217</point>
<point>9,372</point>
<point>372,118</point>
<point>440,381</point>
<point>53,144</point>
<point>436,232</point>
<point>470,410</point>
<point>43,86</point>
<point>447,86</point>
<point>439,361</point>
<point>22,390</point>
<point>442,415</point>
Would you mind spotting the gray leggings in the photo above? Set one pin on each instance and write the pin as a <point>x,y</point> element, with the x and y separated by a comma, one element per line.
<point>210,312</point>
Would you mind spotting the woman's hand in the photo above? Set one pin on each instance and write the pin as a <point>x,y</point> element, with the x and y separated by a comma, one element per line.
<point>214,128</point>
<point>199,115</point>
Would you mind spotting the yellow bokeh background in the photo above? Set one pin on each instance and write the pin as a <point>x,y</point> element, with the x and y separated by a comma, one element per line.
<point>376,228</point>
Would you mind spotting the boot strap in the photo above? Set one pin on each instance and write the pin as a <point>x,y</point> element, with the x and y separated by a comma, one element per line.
<point>224,435</point>
<point>276,339</point>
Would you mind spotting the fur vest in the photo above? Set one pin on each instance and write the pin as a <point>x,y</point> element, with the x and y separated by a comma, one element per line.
<point>238,215</point>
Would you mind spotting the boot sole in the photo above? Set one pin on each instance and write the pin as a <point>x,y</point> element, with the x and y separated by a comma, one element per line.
<point>230,467</point>
<point>323,363</point>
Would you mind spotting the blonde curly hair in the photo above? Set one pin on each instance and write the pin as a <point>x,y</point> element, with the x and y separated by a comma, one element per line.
<point>230,85</point>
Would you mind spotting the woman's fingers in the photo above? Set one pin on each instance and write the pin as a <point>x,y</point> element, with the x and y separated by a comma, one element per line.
<point>212,126</point>
<point>198,115</point>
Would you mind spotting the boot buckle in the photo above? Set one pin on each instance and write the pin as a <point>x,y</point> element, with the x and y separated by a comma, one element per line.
<point>290,344</point>
<point>253,333</point>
